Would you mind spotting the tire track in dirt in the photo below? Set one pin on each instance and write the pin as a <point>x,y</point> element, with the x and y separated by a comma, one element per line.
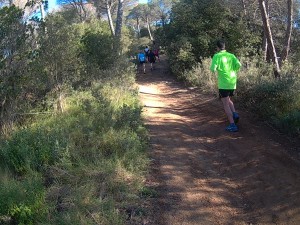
<point>204,175</point>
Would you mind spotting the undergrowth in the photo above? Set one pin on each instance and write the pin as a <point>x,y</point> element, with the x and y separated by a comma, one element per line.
<point>82,166</point>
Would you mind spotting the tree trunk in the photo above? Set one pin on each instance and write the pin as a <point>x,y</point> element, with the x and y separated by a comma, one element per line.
<point>149,30</point>
<point>268,33</point>
<point>265,49</point>
<point>163,20</point>
<point>119,22</point>
<point>109,17</point>
<point>2,108</point>
<point>288,34</point>
<point>42,11</point>
<point>138,26</point>
<point>82,11</point>
<point>244,8</point>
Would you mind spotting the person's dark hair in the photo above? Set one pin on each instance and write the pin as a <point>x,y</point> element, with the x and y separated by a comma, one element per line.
<point>221,44</point>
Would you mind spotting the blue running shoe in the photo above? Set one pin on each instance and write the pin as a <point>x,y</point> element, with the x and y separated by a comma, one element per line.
<point>235,117</point>
<point>232,128</point>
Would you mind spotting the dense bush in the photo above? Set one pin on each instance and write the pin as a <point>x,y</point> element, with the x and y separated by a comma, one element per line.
<point>275,101</point>
<point>22,201</point>
<point>97,46</point>
<point>15,48</point>
<point>31,149</point>
<point>96,145</point>
<point>181,56</point>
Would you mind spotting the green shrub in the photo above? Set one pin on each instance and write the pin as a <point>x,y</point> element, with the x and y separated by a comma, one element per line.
<point>181,57</point>
<point>201,76</point>
<point>276,101</point>
<point>95,45</point>
<point>129,116</point>
<point>22,201</point>
<point>90,156</point>
<point>31,149</point>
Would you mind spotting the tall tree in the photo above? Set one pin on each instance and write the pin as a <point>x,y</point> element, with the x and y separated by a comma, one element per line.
<point>119,21</point>
<point>161,9</point>
<point>244,8</point>
<point>288,33</point>
<point>143,13</point>
<point>269,37</point>
<point>147,16</point>
<point>14,48</point>
<point>108,4</point>
<point>33,5</point>
<point>265,49</point>
<point>110,7</point>
<point>135,14</point>
<point>106,7</point>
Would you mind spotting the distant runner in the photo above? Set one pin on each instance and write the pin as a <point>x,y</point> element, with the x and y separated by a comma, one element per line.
<point>156,53</point>
<point>227,65</point>
<point>142,60</point>
<point>147,50</point>
<point>152,58</point>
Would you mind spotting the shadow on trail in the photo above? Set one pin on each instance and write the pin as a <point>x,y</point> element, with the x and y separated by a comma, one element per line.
<point>204,175</point>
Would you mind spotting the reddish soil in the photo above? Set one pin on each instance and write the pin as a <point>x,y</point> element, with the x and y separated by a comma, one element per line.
<point>204,175</point>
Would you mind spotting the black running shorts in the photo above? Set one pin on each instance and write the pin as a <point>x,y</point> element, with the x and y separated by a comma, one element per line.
<point>223,93</point>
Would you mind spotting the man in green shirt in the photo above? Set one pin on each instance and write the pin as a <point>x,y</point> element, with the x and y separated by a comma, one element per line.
<point>226,65</point>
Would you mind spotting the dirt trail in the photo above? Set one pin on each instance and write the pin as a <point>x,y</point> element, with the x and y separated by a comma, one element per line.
<point>205,175</point>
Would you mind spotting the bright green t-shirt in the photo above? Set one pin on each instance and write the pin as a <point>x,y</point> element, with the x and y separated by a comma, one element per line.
<point>227,65</point>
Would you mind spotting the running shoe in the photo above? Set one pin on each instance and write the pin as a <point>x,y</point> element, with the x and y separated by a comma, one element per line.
<point>235,117</point>
<point>232,128</point>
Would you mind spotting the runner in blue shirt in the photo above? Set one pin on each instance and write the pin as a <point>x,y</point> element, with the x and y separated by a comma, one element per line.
<point>142,60</point>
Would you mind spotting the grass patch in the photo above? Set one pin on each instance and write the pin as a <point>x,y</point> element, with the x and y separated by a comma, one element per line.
<point>83,166</point>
